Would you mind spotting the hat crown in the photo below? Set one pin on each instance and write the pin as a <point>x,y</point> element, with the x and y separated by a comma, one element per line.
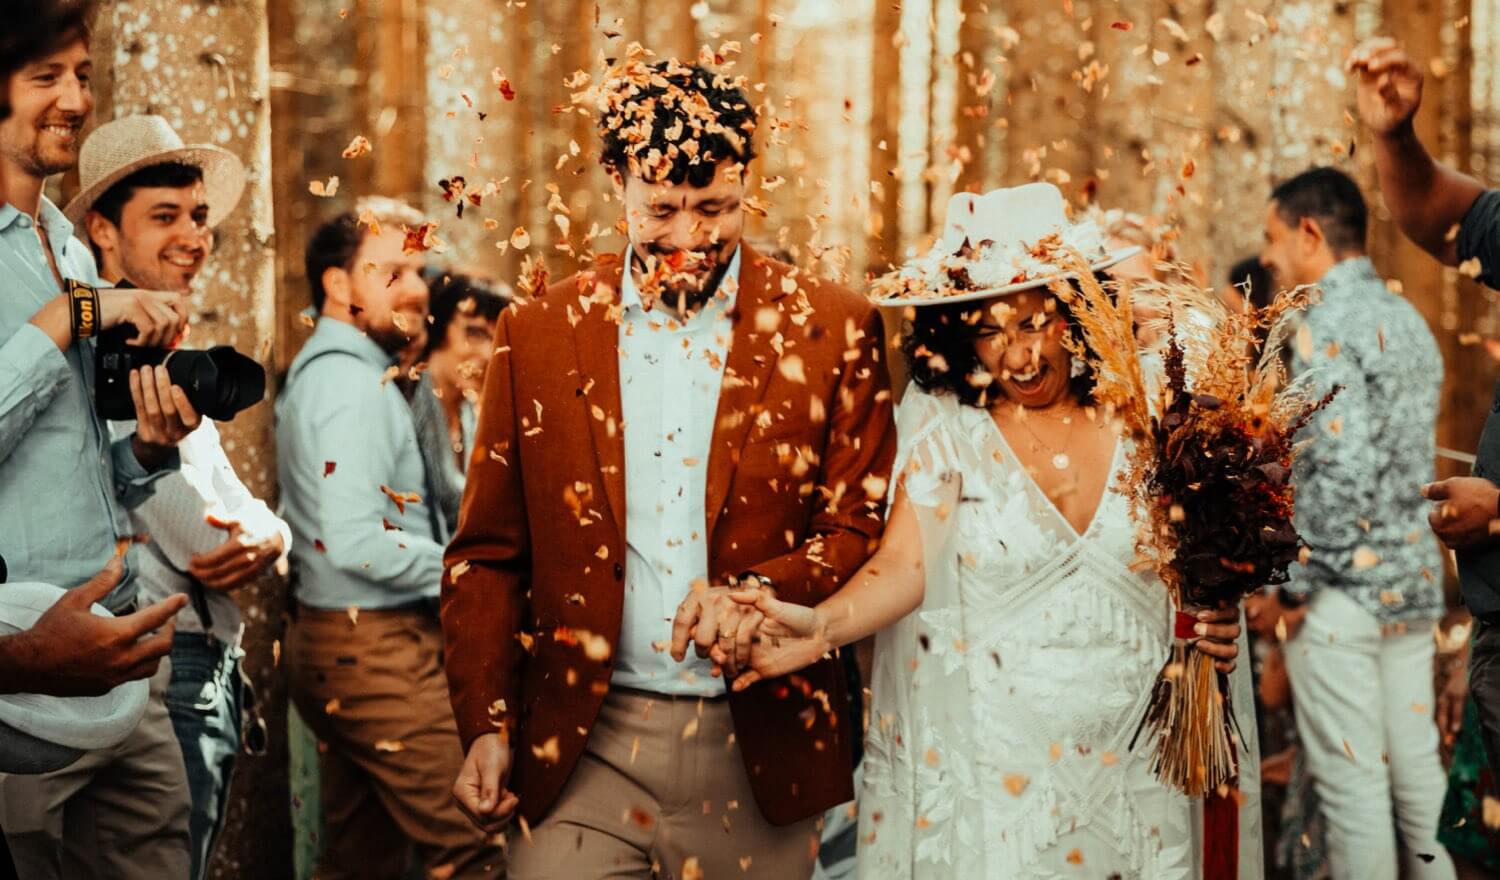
<point>1012,217</point>
<point>122,142</point>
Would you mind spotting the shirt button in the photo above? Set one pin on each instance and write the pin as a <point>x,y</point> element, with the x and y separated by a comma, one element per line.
<point>25,222</point>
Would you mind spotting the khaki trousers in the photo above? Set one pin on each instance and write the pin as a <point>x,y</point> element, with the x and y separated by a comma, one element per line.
<point>661,791</point>
<point>114,814</point>
<point>372,689</point>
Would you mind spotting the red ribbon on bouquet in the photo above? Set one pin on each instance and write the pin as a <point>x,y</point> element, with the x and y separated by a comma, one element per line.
<point>1221,812</point>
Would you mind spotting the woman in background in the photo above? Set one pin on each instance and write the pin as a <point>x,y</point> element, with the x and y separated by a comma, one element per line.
<point>462,313</point>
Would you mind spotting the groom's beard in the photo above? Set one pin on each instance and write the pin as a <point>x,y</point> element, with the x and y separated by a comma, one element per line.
<point>679,295</point>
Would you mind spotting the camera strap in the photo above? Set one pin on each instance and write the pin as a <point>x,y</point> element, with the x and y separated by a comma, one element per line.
<point>83,301</point>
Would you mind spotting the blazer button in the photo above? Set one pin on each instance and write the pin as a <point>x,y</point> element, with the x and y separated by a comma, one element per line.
<point>619,572</point>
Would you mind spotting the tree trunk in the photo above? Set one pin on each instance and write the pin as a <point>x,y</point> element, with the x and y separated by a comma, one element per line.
<point>208,73</point>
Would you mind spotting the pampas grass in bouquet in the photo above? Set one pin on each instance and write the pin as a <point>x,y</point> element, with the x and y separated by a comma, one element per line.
<point>1209,473</point>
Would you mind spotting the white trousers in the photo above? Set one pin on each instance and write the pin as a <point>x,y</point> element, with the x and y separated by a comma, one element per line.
<point>1364,706</point>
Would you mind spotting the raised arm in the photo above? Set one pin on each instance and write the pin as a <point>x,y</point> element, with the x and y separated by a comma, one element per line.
<point>1427,198</point>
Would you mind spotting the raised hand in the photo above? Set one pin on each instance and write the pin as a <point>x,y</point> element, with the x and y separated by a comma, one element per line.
<point>73,652</point>
<point>1389,85</point>
<point>790,638</point>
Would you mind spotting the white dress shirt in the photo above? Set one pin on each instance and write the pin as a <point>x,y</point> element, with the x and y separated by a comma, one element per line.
<point>177,519</point>
<point>670,373</point>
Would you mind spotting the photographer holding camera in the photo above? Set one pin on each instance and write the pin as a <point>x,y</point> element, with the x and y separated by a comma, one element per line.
<point>119,812</point>
<point>148,205</point>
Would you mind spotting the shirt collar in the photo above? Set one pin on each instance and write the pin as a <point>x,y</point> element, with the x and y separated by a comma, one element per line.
<point>630,297</point>
<point>342,336</point>
<point>59,228</point>
<point>1355,270</point>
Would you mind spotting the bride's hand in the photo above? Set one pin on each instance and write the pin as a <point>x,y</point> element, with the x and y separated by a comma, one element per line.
<point>1217,631</point>
<point>789,638</point>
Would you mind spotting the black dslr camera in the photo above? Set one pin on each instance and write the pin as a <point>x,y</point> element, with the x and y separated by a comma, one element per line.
<point>219,382</point>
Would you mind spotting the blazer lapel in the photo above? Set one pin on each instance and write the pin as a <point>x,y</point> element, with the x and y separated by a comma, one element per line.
<point>747,372</point>
<point>597,342</point>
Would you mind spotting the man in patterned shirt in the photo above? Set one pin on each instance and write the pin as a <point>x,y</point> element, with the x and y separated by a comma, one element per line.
<point>1359,614</point>
<point>1453,217</point>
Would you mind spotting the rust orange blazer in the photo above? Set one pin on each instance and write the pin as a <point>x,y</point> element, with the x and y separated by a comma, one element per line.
<point>532,598</point>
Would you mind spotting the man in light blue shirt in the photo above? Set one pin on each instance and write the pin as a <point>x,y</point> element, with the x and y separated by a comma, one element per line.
<point>364,650</point>
<point>119,812</point>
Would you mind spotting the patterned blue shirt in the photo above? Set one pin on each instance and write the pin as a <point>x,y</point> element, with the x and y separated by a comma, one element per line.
<point>64,487</point>
<point>1366,456</point>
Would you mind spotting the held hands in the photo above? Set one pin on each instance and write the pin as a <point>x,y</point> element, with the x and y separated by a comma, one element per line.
<point>1463,509</point>
<point>790,637</point>
<point>717,626</point>
<point>480,787</point>
<point>1389,85</point>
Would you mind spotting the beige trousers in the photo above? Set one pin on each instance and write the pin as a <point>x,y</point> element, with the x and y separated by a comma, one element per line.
<point>114,814</point>
<point>661,791</point>
<point>372,688</point>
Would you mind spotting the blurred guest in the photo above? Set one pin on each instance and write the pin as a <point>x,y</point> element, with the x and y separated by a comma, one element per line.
<point>1454,218</point>
<point>147,206</point>
<point>1248,285</point>
<point>1358,616</point>
<point>1472,836</point>
<point>364,649</point>
<point>457,347</point>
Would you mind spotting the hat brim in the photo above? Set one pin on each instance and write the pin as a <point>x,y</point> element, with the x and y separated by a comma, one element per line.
<point>223,181</point>
<point>40,730</point>
<point>1114,258</point>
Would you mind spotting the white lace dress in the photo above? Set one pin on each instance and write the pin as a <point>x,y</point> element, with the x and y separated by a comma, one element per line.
<point>1004,706</point>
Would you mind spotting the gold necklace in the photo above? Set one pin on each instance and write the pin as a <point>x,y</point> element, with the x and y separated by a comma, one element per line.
<point>1060,459</point>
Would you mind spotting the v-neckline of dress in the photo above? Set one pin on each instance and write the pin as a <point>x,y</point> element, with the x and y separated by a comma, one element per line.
<point>1102,500</point>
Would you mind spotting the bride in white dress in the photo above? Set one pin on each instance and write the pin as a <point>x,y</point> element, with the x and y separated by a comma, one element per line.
<point>998,741</point>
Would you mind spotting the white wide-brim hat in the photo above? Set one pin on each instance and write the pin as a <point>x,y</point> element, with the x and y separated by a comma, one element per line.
<point>1008,240</point>
<point>118,149</point>
<point>39,733</point>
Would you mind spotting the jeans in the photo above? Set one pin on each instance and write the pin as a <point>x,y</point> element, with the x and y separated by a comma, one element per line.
<point>205,702</point>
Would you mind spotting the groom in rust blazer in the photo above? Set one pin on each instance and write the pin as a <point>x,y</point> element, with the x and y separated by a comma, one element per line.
<point>590,515</point>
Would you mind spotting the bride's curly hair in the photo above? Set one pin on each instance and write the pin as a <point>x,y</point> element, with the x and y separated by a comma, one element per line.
<point>939,341</point>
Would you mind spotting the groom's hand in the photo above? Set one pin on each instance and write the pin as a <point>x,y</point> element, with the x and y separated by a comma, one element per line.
<point>480,788</point>
<point>709,618</point>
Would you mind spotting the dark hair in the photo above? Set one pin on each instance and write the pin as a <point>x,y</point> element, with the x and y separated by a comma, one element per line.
<point>334,244</point>
<point>174,175</point>
<point>1253,281</point>
<point>447,295</point>
<point>950,333</point>
<point>31,30</point>
<point>1330,197</point>
<point>700,104</point>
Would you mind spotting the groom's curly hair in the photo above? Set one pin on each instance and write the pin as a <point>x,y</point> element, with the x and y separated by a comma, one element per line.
<point>675,122</point>
<point>939,345</point>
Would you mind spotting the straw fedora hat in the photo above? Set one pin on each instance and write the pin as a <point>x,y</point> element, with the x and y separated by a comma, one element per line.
<point>118,149</point>
<point>39,733</point>
<point>1008,240</point>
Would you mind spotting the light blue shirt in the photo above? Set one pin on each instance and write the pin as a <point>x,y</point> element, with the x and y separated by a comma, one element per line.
<point>344,436</point>
<point>670,375</point>
<point>64,487</point>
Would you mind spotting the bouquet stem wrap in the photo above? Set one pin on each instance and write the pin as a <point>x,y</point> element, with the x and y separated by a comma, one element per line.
<point>1189,719</point>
